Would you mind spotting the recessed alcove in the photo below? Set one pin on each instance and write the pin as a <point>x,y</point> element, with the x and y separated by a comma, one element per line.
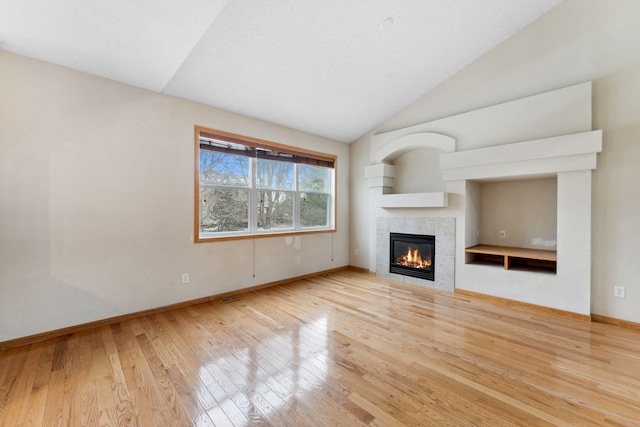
<point>394,171</point>
<point>570,158</point>
<point>514,222</point>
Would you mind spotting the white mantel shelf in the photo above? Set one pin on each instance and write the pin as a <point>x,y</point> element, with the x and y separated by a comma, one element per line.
<point>413,200</point>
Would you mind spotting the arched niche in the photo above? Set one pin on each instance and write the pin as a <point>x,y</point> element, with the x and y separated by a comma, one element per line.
<point>414,141</point>
<point>420,154</point>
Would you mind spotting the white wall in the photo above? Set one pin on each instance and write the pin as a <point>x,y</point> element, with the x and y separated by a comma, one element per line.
<point>579,40</point>
<point>96,202</point>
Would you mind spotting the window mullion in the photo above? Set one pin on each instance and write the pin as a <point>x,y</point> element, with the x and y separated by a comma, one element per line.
<point>332,193</point>
<point>253,197</point>
<point>296,199</point>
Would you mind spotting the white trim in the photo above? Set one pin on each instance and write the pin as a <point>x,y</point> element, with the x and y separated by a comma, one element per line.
<point>529,158</point>
<point>413,200</point>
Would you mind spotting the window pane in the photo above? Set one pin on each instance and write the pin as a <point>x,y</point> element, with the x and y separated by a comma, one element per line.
<point>275,209</point>
<point>314,209</point>
<point>223,209</point>
<point>223,168</point>
<point>275,175</point>
<point>314,178</point>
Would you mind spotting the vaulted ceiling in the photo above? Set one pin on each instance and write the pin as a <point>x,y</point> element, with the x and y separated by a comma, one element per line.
<point>333,68</point>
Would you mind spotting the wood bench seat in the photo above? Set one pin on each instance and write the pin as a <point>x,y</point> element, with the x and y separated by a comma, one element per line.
<point>508,253</point>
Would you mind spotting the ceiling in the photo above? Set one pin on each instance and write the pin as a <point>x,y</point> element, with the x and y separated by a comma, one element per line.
<point>333,68</point>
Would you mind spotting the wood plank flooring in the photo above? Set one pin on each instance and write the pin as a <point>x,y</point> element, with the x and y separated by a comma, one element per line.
<point>344,349</point>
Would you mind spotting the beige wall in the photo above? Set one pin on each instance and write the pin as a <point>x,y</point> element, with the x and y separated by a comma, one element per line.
<point>579,40</point>
<point>524,209</point>
<point>96,202</point>
<point>426,160</point>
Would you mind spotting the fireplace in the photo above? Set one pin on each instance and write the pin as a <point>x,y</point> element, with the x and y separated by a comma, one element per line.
<point>412,255</point>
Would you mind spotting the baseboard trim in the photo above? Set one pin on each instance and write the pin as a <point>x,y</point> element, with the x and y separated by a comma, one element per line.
<point>360,269</point>
<point>569,314</point>
<point>43,336</point>
<point>613,321</point>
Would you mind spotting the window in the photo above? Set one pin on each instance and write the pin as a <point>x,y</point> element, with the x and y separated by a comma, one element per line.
<point>247,187</point>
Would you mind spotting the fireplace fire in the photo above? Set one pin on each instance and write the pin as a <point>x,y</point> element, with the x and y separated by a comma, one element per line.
<point>412,255</point>
<point>413,259</point>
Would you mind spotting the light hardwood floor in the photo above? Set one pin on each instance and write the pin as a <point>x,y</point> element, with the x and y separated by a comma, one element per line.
<point>342,349</point>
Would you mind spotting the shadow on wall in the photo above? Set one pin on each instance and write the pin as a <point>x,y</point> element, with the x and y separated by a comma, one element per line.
<point>23,303</point>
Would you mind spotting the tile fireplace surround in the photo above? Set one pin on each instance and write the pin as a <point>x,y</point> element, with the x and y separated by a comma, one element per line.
<point>444,229</point>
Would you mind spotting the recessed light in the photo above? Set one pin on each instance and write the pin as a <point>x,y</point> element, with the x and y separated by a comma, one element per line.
<point>386,23</point>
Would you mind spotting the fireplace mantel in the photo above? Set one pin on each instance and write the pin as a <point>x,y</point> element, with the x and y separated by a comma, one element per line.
<point>413,200</point>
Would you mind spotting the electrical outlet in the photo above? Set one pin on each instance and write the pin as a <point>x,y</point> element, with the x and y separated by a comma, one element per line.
<point>356,252</point>
<point>503,234</point>
<point>618,291</point>
<point>185,278</point>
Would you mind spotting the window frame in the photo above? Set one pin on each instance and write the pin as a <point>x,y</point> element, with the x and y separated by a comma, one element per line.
<point>253,230</point>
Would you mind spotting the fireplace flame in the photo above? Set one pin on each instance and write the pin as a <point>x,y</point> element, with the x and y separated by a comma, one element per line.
<point>413,259</point>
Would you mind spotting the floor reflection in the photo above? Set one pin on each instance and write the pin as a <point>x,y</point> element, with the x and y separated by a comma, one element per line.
<point>267,377</point>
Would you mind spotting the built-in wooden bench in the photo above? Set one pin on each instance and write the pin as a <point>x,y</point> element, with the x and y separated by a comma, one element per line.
<point>509,253</point>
